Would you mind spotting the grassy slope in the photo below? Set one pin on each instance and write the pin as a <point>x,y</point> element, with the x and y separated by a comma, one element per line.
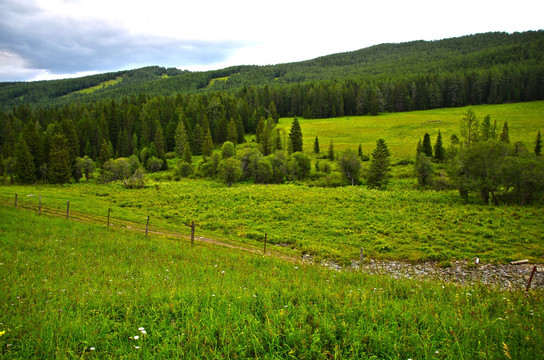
<point>403,130</point>
<point>102,85</point>
<point>67,287</point>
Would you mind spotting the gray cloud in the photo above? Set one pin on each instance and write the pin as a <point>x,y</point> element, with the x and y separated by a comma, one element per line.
<point>61,45</point>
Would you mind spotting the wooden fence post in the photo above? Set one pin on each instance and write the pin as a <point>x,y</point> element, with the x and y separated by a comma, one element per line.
<point>193,233</point>
<point>15,199</point>
<point>146,226</point>
<point>264,249</point>
<point>67,208</point>
<point>109,210</point>
<point>40,206</point>
<point>531,279</point>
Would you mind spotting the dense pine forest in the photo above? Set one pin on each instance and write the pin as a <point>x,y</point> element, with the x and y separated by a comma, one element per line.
<point>57,130</point>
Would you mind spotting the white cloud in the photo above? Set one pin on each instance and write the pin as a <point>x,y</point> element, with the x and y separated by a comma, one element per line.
<point>74,36</point>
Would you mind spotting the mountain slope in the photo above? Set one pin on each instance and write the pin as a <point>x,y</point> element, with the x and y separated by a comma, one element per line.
<point>376,63</point>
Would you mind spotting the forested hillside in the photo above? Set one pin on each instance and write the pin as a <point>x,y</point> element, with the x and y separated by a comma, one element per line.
<point>50,130</point>
<point>483,68</point>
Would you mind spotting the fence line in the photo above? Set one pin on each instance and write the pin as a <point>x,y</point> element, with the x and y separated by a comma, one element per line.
<point>70,214</point>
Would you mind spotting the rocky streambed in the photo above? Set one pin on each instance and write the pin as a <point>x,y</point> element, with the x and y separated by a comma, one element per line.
<point>509,277</point>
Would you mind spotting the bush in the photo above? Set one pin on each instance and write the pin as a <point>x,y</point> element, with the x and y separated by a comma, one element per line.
<point>154,164</point>
<point>136,181</point>
<point>183,169</point>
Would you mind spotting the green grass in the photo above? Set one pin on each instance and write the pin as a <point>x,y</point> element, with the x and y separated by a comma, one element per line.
<point>400,223</point>
<point>403,130</point>
<point>67,287</point>
<point>102,85</point>
<point>213,81</point>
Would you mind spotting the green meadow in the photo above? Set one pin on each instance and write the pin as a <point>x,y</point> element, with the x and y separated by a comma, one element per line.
<point>402,131</point>
<point>75,290</point>
<point>102,85</point>
<point>402,222</point>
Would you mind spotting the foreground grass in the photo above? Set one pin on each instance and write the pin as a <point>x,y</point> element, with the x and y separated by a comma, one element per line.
<point>401,223</point>
<point>403,130</point>
<point>72,290</point>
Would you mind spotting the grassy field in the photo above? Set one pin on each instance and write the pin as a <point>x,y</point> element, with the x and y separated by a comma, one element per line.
<point>399,223</point>
<point>403,130</point>
<point>73,290</point>
<point>100,86</point>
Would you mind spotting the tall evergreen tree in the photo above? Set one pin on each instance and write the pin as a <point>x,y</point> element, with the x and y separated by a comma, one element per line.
<point>295,136</point>
<point>105,151</point>
<point>181,139</point>
<point>469,128</point>
<point>232,132</point>
<point>439,150</point>
<point>427,148</point>
<point>505,137</point>
<point>59,170</point>
<point>316,145</point>
<point>538,144</point>
<point>379,172</point>
<point>207,144</point>
<point>360,151</point>
<point>486,129</point>
<point>24,166</point>
<point>331,151</point>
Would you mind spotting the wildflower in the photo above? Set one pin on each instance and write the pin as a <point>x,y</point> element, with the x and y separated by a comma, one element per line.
<point>136,347</point>
<point>296,267</point>
<point>136,337</point>
<point>222,272</point>
<point>2,332</point>
<point>144,332</point>
<point>92,348</point>
<point>141,328</point>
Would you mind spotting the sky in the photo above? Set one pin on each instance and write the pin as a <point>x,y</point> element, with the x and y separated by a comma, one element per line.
<point>52,39</point>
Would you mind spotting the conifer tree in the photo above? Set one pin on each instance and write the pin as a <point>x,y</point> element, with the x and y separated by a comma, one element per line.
<point>187,155</point>
<point>439,150</point>
<point>379,172</point>
<point>295,136</point>
<point>207,144</point>
<point>505,137</point>
<point>232,132</point>
<point>360,151</point>
<point>316,145</point>
<point>59,170</point>
<point>105,151</point>
<point>486,129</point>
<point>419,148</point>
<point>331,151</point>
<point>198,139</point>
<point>538,144</point>
<point>24,166</point>
<point>181,139</point>
<point>469,128</point>
<point>427,148</point>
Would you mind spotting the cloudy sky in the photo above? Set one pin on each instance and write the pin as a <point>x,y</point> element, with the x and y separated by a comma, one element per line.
<point>49,39</point>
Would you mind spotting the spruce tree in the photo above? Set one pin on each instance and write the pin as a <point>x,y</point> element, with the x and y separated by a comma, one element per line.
<point>427,148</point>
<point>379,172</point>
<point>59,170</point>
<point>331,151</point>
<point>295,136</point>
<point>505,137</point>
<point>181,139</point>
<point>439,150</point>
<point>207,144</point>
<point>360,151</point>
<point>316,145</point>
<point>232,132</point>
<point>538,144</point>
<point>486,129</point>
<point>105,152</point>
<point>24,166</point>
